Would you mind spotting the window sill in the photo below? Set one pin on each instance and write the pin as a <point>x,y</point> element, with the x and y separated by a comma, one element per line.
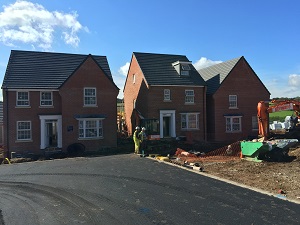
<point>23,107</point>
<point>46,106</point>
<point>230,132</point>
<point>90,139</point>
<point>167,100</point>
<point>19,141</point>
<point>190,129</point>
<point>189,103</point>
<point>233,108</point>
<point>90,106</point>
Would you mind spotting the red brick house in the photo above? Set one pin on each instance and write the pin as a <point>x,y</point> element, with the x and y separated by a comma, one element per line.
<point>165,94</point>
<point>57,99</point>
<point>233,91</point>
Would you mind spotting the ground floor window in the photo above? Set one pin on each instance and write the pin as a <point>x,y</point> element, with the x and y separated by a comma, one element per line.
<point>90,128</point>
<point>151,125</point>
<point>254,123</point>
<point>233,124</point>
<point>23,130</point>
<point>189,120</point>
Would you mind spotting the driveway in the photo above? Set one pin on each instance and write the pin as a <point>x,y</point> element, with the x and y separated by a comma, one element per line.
<point>127,189</point>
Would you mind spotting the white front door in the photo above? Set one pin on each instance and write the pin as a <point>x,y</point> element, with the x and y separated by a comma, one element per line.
<point>51,131</point>
<point>167,123</point>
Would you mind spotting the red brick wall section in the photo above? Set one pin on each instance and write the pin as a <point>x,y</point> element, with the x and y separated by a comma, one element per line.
<point>150,101</point>
<point>30,113</point>
<point>242,82</point>
<point>68,102</point>
<point>89,75</point>
<point>131,91</point>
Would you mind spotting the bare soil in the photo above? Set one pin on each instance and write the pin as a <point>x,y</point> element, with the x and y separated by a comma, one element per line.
<point>278,178</point>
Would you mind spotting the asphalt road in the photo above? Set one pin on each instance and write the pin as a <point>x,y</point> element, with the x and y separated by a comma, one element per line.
<point>127,189</point>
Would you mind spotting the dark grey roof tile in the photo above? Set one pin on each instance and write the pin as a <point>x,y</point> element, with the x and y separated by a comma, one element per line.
<point>48,70</point>
<point>158,70</point>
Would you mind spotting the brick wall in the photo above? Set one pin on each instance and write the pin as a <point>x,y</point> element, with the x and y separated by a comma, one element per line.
<point>89,75</point>
<point>150,100</point>
<point>244,83</point>
<point>68,102</point>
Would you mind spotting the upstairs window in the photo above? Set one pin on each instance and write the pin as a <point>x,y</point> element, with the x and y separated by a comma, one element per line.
<point>133,78</point>
<point>90,97</point>
<point>22,98</point>
<point>46,98</point>
<point>189,96</point>
<point>167,95</point>
<point>232,101</point>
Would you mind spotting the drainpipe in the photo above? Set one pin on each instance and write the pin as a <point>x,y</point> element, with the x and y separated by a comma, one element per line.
<point>204,113</point>
<point>7,122</point>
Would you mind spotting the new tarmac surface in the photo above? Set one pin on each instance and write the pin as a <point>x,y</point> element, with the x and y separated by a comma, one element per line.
<point>127,189</point>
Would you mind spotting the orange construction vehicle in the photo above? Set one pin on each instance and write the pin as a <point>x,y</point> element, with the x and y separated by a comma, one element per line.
<point>263,110</point>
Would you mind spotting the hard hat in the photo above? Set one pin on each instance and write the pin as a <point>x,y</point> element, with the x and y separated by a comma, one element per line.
<point>137,128</point>
<point>143,128</point>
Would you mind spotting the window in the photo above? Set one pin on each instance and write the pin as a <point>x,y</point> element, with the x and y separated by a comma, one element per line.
<point>90,96</point>
<point>133,78</point>
<point>233,124</point>
<point>22,98</point>
<point>167,95</point>
<point>185,67</point>
<point>90,128</point>
<point>254,123</point>
<point>190,121</point>
<point>189,96</point>
<point>46,98</point>
<point>23,130</point>
<point>232,101</point>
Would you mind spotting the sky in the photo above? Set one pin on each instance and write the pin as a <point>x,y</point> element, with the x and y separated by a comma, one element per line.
<point>265,32</point>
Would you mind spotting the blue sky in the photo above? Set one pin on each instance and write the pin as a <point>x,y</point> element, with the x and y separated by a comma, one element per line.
<point>265,32</point>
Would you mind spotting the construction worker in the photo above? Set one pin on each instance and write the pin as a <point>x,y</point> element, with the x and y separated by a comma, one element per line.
<point>136,140</point>
<point>143,140</point>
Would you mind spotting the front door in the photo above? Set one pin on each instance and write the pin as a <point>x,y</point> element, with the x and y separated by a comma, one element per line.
<point>166,126</point>
<point>51,131</point>
<point>51,134</point>
<point>167,123</point>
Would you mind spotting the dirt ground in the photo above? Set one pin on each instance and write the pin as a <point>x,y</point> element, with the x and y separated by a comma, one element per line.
<point>274,177</point>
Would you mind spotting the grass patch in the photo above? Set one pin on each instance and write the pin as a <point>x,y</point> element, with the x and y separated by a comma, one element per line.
<point>280,116</point>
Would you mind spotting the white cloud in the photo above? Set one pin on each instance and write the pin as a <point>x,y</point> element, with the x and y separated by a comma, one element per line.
<point>30,23</point>
<point>294,80</point>
<point>124,69</point>
<point>204,62</point>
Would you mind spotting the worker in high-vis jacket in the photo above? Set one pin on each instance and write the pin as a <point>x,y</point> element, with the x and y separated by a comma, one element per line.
<point>143,140</point>
<point>136,140</point>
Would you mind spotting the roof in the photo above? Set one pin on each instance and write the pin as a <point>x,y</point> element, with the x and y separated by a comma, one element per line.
<point>158,70</point>
<point>45,70</point>
<point>214,75</point>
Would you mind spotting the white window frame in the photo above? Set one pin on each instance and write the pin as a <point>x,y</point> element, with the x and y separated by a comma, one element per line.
<point>87,98</point>
<point>21,99</point>
<point>96,130</point>
<point>23,131</point>
<point>254,123</point>
<point>233,124</point>
<point>44,101</point>
<point>232,100</point>
<point>167,95</point>
<point>189,96</point>
<point>188,122</point>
